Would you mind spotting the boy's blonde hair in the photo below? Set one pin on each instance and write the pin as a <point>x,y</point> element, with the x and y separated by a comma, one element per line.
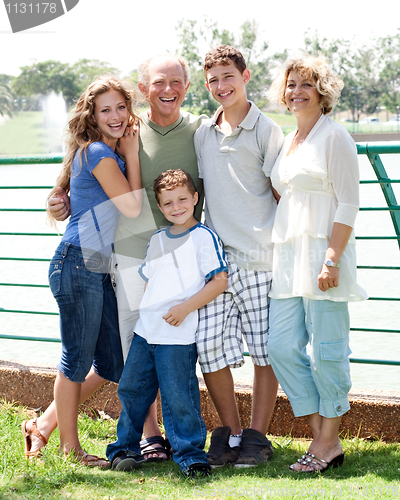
<point>171,179</point>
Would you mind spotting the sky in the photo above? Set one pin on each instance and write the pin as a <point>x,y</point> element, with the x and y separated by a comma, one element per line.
<point>126,32</point>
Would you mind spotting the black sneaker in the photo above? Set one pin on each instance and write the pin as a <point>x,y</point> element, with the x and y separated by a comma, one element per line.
<point>220,453</point>
<point>194,471</point>
<point>126,460</point>
<point>255,449</point>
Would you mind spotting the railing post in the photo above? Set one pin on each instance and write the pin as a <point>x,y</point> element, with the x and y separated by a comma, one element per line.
<point>372,152</point>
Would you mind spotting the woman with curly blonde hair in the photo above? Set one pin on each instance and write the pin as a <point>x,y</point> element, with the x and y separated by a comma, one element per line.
<point>101,187</point>
<point>316,180</point>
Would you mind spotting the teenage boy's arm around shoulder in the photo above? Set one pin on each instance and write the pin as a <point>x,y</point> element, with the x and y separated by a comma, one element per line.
<point>217,284</point>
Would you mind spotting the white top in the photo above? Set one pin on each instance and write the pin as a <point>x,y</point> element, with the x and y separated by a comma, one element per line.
<point>319,185</point>
<point>176,267</point>
<point>236,169</point>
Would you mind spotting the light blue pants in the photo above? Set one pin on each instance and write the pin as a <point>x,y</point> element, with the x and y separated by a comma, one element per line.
<point>317,381</point>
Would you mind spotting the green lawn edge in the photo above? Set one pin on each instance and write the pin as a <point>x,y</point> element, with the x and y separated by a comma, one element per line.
<point>371,469</point>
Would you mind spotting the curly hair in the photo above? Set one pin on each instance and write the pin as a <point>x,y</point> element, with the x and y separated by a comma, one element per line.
<point>224,55</point>
<point>171,179</point>
<point>315,69</point>
<point>82,127</point>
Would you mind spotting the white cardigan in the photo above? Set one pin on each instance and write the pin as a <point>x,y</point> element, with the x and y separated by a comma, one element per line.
<point>318,185</point>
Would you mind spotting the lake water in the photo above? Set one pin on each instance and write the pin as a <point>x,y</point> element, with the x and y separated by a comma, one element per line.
<point>368,314</point>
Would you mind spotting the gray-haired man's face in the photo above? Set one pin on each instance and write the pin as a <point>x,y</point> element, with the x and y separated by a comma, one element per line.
<point>165,90</point>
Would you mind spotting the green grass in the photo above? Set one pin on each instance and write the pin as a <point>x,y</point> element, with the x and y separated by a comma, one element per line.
<point>283,119</point>
<point>23,134</point>
<point>371,469</point>
<point>286,121</point>
<point>372,128</point>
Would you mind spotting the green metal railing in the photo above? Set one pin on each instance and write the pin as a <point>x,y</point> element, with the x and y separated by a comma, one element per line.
<point>371,150</point>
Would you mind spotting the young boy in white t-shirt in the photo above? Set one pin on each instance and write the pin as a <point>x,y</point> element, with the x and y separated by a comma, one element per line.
<point>184,269</point>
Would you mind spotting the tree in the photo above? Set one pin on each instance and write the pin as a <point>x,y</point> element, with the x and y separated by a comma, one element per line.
<point>389,48</point>
<point>355,66</point>
<point>195,37</point>
<point>197,95</point>
<point>6,79</point>
<point>47,76</point>
<point>257,61</point>
<point>43,77</point>
<point>86,70</point>
<point>6,96</point>
<point>6,100</point>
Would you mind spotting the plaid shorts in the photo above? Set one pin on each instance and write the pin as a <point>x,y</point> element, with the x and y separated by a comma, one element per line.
<point>241,311</point>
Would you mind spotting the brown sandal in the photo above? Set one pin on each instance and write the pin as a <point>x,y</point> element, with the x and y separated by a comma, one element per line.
<point>27,439</point>
<point>89,460</point>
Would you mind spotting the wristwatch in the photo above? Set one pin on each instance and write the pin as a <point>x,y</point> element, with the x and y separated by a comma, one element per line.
<point>330,263</point>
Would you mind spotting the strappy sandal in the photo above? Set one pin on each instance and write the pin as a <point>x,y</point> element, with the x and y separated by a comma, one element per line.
<point>155,445</point>
<point>93,461</point>
<point>28,441</point>
<point>309,460</point>
<point>88,460</point>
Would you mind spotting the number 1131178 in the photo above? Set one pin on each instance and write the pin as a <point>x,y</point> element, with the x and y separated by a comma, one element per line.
<point>31,8</point>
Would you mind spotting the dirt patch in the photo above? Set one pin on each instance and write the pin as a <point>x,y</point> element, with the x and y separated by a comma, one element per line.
<point>373,414</point>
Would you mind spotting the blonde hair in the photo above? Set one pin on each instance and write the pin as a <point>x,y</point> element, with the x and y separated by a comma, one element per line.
<point>83,129</point>
<point>315,69</point>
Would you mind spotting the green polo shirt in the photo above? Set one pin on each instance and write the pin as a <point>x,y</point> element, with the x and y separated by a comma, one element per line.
<point>161,148</point>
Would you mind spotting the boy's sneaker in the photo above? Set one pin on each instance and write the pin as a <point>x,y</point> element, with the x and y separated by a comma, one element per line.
<point>126,460</point>
<point>220,453</point>
<point>194,471</point>
<point>255,449</point>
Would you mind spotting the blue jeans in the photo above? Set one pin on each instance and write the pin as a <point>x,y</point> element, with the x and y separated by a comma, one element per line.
<point>88,315</point>
<point>317,382</point>
<point>172,368</point>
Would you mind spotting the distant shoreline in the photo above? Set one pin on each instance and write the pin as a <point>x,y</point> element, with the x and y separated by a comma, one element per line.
<point>388,136</point>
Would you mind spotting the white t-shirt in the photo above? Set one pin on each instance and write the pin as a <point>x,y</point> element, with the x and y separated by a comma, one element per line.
<point>319,185</point>
<point>176,267</point>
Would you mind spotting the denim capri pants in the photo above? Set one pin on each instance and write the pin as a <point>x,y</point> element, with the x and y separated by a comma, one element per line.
<point>88,315</point>
<point>316,380</point>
